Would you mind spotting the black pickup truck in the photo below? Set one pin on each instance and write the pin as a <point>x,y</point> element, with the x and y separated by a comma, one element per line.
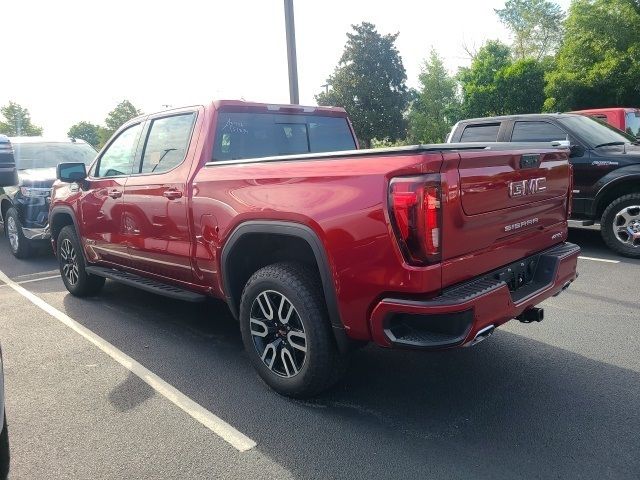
<point>605,160</point>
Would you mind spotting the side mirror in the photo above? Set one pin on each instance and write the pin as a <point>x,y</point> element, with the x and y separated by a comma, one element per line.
<point>8,172</point>
<point>576,151</point>
<point>70,172</point>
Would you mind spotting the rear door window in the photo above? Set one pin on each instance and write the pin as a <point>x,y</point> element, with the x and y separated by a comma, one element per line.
<point>255,135</point>
<point>537,132</point>
<point>167,143</point>
<point>487,132</point>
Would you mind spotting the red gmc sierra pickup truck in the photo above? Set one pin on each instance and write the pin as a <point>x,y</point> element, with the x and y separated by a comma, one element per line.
<point>317,246</point>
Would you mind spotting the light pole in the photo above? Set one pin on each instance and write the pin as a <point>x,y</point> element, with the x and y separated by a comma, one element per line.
<point>294,96</point>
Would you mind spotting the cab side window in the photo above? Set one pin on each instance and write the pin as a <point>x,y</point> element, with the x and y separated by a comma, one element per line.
<point>167,143</point>
<point>118,158</point>
<point>537,132</point>
<point>487,132</point>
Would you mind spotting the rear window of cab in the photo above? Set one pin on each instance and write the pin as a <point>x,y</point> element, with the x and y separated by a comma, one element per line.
<point>487,132</point>
<point>255,135</point>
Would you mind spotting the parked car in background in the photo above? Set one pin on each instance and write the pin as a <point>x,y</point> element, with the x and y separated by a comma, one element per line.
<point>605,160</point>
<point>8,174</point>
<point>317,246</point>
<point>24,207</point>
<point>625,119</point>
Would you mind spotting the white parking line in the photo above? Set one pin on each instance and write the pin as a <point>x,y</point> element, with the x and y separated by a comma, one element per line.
<point>599,259</point>
<point>38,279</point>
<point>198,412</point>
<point>33,280</point>
<point>26,275</point>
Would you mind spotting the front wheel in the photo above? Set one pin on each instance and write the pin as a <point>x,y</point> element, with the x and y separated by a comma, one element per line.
<point>19,244</point>
<point>286,330</point>
<point>73,266</point>
<point>620,225</point>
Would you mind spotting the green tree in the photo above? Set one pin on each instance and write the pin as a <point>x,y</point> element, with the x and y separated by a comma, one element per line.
<point>495,84</point>
<point>369,82</point>
<point>479,81</point>
<point>598,63</point>
<point>87,131</point>
<point>117,117</point>
<point>535,25</point>
<point>17,121</point>
<point>521,86</point>
<point>436,107</point>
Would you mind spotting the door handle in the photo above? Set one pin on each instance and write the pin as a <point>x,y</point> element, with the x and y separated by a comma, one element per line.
<point>172,194</point>
<point>115,193</point>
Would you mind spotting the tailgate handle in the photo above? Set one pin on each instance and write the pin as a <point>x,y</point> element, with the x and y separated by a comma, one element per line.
<point>529,160</point>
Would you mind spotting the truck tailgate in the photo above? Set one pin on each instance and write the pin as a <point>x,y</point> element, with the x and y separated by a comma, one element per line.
<point>501,206</point>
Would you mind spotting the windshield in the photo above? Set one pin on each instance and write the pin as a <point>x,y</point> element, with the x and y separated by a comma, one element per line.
<point>595,132</point>
<point>633,123</point>
<point>50,154</point>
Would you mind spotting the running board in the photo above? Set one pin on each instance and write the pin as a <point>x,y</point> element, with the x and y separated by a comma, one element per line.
<point>147,284</point>
<point>581,223</point>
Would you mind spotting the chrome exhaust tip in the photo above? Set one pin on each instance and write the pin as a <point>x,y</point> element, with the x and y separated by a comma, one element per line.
<point>483,334</point>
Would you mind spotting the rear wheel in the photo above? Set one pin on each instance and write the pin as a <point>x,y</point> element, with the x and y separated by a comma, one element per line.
<point>620,225</point>
<point>73,265</point>
<point>286,330</point>
<point>19,244</point>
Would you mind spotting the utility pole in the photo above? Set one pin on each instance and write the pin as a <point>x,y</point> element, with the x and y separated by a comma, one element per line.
<point>294,96</point>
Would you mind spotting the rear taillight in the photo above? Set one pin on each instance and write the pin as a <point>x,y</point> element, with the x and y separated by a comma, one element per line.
<point>414,207</point>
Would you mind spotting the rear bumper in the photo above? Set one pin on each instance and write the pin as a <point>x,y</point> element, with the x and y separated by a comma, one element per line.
<point>456,316</point>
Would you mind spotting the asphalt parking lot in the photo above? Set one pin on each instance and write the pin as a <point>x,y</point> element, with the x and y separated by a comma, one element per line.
<point>560,399</point>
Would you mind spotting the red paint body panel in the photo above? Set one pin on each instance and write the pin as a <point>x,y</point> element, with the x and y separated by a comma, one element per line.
<point>613,116</point>
<point>343,199</point>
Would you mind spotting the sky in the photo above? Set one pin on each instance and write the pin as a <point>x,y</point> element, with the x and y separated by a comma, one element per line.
<point>69,60</point>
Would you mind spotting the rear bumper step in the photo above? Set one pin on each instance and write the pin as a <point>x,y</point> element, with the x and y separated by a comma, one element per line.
<point>462,311</point>
<point>147,284</point>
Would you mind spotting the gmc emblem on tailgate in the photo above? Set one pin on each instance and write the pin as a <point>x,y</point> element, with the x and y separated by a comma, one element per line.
<point>527,187</point>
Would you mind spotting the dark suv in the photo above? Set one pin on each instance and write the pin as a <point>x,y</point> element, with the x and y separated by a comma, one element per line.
<point>606,167</point>
<point>24,208</point>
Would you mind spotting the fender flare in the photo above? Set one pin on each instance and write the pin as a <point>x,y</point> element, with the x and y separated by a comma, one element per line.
<point>621,177</point>
<point>57,210</point>
<point>294,230</point>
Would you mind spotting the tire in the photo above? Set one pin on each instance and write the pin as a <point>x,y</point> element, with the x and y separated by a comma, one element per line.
<point>19,244</point>
<point>313,363</point>
<point>4,451</point>
<point>73,265</point>
<point>620,225</point>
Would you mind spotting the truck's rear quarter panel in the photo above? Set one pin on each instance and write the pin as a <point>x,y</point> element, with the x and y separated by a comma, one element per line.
<point>343,200</point>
